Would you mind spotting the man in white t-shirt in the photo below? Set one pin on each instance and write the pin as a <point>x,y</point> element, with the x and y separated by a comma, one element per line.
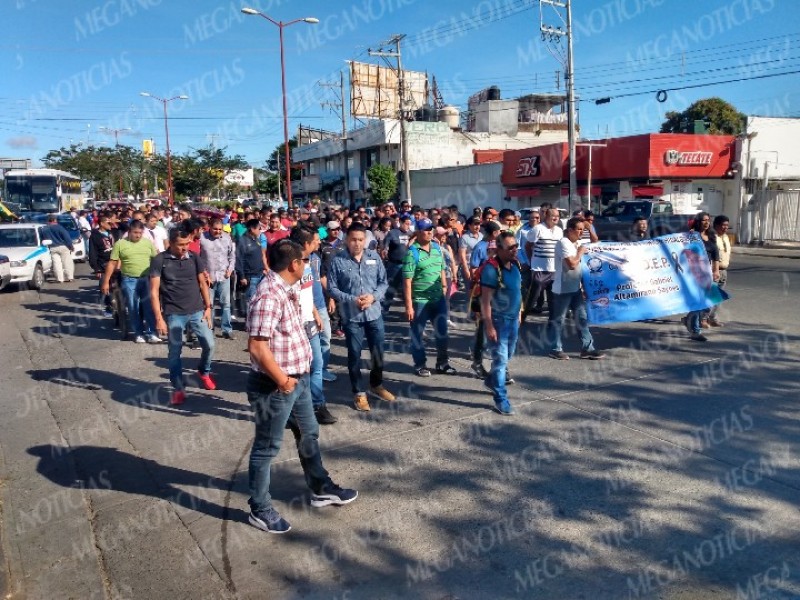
<point>157,235</point>
<point>541,248</point>
<point>567,292</point>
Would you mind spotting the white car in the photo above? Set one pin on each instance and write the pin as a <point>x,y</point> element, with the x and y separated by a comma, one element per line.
<point>30,258</point>
<point>5,271</point>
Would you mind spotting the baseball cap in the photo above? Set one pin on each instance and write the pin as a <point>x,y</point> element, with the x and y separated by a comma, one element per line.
<point>424,225</point>
<point>333,225</point>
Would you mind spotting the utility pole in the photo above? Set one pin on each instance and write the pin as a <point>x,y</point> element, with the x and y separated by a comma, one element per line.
<point>343,115</point>
<point>550,33</point>
<point>116,133</point>
<point>590,145</point>
<point>395,39</point>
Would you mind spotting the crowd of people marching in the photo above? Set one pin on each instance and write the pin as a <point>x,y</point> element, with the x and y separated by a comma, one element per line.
<point>304,276</point>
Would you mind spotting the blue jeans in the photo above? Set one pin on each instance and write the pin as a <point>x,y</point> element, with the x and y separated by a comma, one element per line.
<point>325,337</point>
<point>274,412</point>
<point>562,303</point>
<point>176,324</point>
<point>252,284</point>
<point>137,300</point>
<point>502,350</point>
<point>317,395</point>
<point>693,318</point>
<point>394,277</point>
<point>354,334</point>
<point>221,292</point>
<point>435,312</point>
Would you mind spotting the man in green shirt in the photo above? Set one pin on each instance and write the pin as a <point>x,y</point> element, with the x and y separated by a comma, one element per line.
<point>133,256</point>
<point>424,287</point>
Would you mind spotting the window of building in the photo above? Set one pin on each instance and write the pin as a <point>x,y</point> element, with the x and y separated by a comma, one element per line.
<point>312,168</point>
<point>328,165</point>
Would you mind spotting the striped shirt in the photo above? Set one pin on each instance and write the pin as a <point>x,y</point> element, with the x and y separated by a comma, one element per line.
<point>544,242</point>
<point>424,269</point>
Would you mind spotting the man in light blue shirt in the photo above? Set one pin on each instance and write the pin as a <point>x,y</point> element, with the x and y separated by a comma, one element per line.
<point>357,281</point>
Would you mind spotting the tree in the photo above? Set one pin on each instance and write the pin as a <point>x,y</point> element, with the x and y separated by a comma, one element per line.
<point>278,159</point>
<point>720,117</point>
<point>383,182</point>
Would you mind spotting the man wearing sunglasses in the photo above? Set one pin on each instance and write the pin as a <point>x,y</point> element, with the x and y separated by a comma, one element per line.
<point>501,308</point>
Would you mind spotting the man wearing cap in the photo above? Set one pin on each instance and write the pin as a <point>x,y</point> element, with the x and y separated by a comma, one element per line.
<point>425,290</point>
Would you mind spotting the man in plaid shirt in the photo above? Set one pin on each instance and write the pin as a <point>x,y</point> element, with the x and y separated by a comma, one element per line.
<point>279,391</point>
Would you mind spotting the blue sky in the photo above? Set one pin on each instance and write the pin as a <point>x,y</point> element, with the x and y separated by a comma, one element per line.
<point>72,68</point>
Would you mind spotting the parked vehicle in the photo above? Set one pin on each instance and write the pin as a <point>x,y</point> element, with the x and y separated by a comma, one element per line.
<point>68,222</point>
<point>614,223</point>
<point>30,258</point>
<point>525,215</point>
<point>5,271</point>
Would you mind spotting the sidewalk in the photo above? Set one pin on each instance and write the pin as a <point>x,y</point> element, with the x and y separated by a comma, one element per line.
<point>772,249</point>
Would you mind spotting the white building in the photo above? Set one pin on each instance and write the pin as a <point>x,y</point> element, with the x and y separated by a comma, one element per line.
<point>492,124</point>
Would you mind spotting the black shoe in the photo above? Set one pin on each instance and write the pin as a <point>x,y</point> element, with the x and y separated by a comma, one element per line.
<point>228,335</point>
<point>423,372</point>
<point>698,337</point>
<point>509,379</point>
<point>446,369</point>
<point>592,354</point>
<point>479,371</point>
<point>269,520</point>
<point>333,494</point>
<point>324,416</point>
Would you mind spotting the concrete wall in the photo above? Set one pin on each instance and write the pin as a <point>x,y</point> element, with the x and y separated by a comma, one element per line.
<point>467,187</point>
<point>776,144</point>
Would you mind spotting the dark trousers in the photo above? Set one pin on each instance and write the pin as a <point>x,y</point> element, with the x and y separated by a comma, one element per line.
<point>541,286</point>
<point>394,277</point>
<point>354,335</point>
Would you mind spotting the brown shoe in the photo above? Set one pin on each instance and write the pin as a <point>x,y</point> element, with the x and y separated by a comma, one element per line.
<point>715,323</point>
<point>382,393</point>
<point>360,401</point>
<point>704,324</point>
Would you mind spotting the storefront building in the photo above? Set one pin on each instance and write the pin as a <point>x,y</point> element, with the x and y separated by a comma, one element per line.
<point>694,172</point>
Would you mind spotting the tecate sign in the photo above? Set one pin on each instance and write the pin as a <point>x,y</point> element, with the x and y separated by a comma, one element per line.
<point>694,159</point>
<point>528,167</point>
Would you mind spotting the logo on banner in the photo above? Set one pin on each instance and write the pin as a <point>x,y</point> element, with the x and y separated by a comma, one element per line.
<point>694,159</point>
<point>528,167</point>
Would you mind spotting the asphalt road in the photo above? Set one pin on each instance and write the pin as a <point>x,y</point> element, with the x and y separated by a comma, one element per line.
<point>669,470</point>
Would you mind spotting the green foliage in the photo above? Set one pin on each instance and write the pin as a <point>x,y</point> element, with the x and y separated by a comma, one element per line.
<point>383,182</point>
<point>195,173</point>
<point>721,116</point>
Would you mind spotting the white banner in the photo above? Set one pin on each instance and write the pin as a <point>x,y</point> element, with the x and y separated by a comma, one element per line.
<point>240,177</point>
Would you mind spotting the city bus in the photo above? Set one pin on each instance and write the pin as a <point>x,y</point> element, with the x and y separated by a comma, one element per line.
<point>43,190</point>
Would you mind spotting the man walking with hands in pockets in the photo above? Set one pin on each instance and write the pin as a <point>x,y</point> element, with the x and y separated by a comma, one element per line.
<point>279,389</point>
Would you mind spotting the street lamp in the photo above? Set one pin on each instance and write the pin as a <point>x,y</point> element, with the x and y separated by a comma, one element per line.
<point>165,101</point>
<point>280,25</point>
<point>116,133</point>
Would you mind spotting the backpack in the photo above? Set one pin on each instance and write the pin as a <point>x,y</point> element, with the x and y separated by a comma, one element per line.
<point>414,250</point>
<point>475,279</point>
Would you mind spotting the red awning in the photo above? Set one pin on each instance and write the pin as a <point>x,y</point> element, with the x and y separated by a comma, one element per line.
<point>524,193</point>
<point>643,191</point>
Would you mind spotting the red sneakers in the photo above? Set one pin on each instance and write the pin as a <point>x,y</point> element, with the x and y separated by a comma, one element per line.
<point>206,381</point>
<point>178,397</point>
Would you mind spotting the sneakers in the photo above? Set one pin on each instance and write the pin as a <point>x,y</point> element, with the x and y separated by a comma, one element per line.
<point>139,339</point>
<point>107,314</point>
<point>333,494</point>
<point>592,354</point>
<point>446,369</point>
<point>324,416</point>
<point>154,339</point>
<point>382,393</point>
<point>509,379</point>
<point>559,355</point>
<point>423,372</point>
<point>328,376</point>
<point>206,381</point>
<point>360,402</point>
<point>338,334</point>
<point>504,408</point>
<point>479,371</point>
<point>698,337</point>
<point>269,520</point>
<point>228,335</point>
<point>178,398</point>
